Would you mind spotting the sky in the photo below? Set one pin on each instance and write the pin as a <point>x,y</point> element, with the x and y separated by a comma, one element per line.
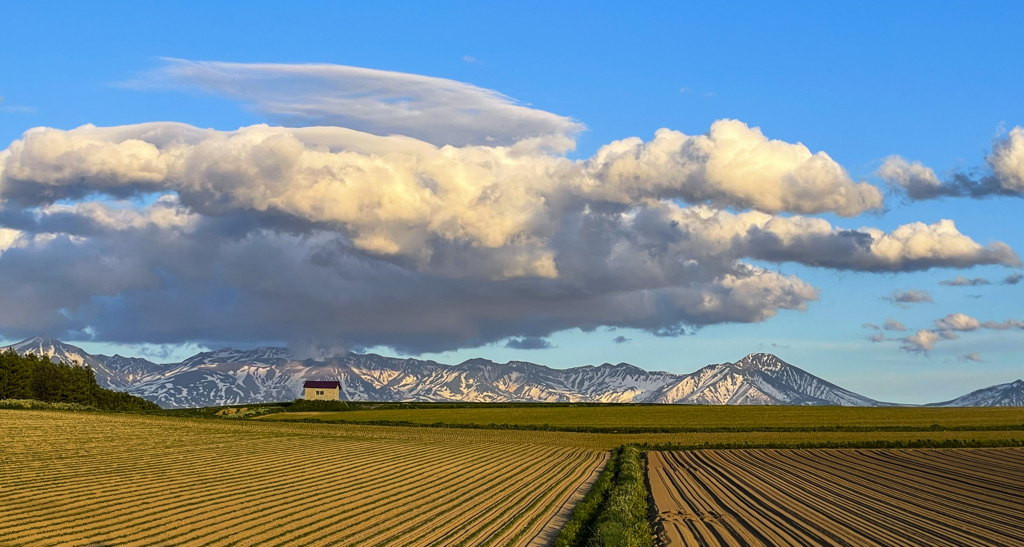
<point>664,184</point>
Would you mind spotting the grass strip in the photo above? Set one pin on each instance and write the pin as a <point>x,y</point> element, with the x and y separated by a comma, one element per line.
<point>622,521</point>
<point>916,443</point>
<point>32,404</point>
<point>577,530</point>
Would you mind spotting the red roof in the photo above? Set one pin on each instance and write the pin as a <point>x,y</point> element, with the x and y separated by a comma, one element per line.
<point>322,385</point>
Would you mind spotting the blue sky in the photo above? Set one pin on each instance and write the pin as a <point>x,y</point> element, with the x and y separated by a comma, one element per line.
<point>934,82</point>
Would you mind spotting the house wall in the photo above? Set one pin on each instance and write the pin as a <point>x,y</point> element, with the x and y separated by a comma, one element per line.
<point>329,394</point>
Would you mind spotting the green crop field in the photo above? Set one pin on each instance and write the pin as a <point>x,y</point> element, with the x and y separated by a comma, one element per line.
<point>673,418</point>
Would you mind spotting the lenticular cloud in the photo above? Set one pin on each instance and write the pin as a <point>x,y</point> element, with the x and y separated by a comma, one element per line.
<point>382,102</point>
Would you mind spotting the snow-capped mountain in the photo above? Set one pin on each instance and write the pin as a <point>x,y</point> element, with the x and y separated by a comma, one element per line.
<point>59,352</point>
<point>757,379</point>
<point>122,372</point>
<point>230,376</point>
<point>1011,394</point>
<point>264,356</point>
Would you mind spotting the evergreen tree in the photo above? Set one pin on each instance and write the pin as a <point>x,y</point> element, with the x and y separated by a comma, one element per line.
<point>32,377</point>
<point>15,376</point>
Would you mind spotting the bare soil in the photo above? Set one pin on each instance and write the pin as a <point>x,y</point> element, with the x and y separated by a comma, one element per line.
<point>133,481</point>
<point>964,497</point>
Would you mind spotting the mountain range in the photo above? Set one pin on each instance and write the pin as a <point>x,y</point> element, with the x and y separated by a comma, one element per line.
<point>266,374</point>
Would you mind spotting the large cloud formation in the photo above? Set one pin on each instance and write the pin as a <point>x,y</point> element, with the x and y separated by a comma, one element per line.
<point>166,274</point>
<point>326,236</point>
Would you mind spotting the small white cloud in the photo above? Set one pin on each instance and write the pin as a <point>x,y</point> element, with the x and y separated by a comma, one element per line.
<point>1005,325</point>
<point>947,328</point>
<point>918,181</point>
<point>957,322</point>
<point>920,342</point>
<point>905,298</point>
<point>961,281</point>
<point>973,357</point>
<point>469,59</point>
<point>894,325</point>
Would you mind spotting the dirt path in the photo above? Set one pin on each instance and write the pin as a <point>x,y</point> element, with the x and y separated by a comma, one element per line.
<point>962,497</point>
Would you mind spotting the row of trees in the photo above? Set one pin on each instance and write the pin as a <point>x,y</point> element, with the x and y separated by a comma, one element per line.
<point>32,377</point>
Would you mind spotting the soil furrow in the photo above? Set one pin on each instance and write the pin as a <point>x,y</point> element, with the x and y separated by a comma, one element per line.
<point>841,497</point>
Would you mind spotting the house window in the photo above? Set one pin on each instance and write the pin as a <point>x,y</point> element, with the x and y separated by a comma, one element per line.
<point>319,392</point>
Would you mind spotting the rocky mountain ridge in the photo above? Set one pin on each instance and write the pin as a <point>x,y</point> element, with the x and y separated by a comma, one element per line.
<point>1010,394</point>
<point>266,374</point>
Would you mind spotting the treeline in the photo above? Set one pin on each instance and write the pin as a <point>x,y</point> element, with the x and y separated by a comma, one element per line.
<point>38,378</point>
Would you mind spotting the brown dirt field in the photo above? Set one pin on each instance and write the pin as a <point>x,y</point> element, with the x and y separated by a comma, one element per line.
<point>546,532</point>
<point>121,480</point>
<point>962,497</point>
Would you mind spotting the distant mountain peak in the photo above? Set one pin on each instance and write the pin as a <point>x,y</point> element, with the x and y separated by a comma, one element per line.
<point>623,368</point>
<point>1011,394</point>
<point>261,355</point>
<point>42,341</point>
<point>478,362</point>
<point>46,345</point>
<point>761,361</point>
<point>760,356</point>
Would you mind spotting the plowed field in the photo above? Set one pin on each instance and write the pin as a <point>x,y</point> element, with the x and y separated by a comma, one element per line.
<point>961,497</point>
<point>95,479</point>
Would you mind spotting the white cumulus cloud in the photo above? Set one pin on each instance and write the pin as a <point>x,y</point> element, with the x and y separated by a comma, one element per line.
<point>1004,174</point>
<point>957,322</point>
<point>399,197</point>
<point>921,341</point>
<point>732,165</point>
<point>1007,160</point>
<point>917,180</point>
